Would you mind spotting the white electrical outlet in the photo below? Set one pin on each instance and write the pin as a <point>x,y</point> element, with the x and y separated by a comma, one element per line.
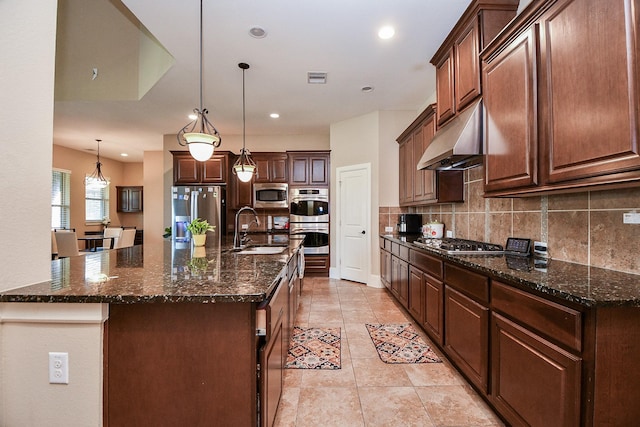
<point>58,368</point>
<point>631,218</point>
<point>245,226</point>
<point>449,234</point>
<point>388,230</point>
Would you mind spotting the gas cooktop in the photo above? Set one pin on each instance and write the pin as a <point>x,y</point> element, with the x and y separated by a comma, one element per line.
<point>460,246</point>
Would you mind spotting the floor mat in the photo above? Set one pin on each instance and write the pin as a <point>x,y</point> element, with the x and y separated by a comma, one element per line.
<point>314,348</point>
<point>400,343</point>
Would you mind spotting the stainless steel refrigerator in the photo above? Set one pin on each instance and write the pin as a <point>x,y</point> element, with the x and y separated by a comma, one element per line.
<point>197,201</point>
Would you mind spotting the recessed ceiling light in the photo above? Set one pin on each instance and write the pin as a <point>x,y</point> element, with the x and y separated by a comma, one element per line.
<point>124,154</point>
<point>367,89</point>
<point>193,116</point>
<point>274,115</point>
<point>257,32</point>
<point>386,32</point>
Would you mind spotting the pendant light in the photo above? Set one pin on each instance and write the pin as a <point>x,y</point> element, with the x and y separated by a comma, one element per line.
<point>200,136</point>
<point>96,179</point>
<point>244,167</point>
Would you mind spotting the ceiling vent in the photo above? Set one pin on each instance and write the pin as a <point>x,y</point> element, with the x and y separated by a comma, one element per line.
<point>316,78</point>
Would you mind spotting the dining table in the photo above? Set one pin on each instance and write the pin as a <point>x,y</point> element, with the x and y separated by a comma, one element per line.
<point>94,241</point>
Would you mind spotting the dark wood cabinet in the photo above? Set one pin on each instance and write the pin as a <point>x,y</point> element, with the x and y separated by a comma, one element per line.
<point>467,336</point>
<point>316,265</point>
<point>385,268</point>
<point>416,294</point>
<point>187,170</point>
<point>309,168</point>
<point>533,382</point>
<point>456,61</point>
<point>400,280</point>
<point>556,122</point>
<point>434,308</point>
<point>421,187</point>
<point>129,199</point>
<point>271,167</point>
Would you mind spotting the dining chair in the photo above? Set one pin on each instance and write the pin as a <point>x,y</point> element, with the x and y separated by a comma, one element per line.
<point>67,244</point>
<point>116,233</point>
<point>126,239</point>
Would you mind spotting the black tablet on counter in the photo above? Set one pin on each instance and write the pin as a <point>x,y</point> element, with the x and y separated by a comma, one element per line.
<point>518,247</point>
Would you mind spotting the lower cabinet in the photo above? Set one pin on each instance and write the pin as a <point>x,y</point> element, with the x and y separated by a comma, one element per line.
<point>434,309</point>
<point>534,382</point>
<point>400,280</point>
<point>467,336</point>
<point>416,294</point>
<point>385,268</point>
<point>272,358</point>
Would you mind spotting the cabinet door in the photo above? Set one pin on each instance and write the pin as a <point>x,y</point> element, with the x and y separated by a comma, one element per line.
<point>533,381</point>
<point>263,168</point>
<point>445,89</point>
<point>385,268</point>
<point>511,144</point>
<point>434,308</point>
<point>129,199</point>
<point>589,88</point>
<point>271,167</point>
<point>186,169</point>
<point>467,336</point>
<point>467,70</point>
<point>299,168</point>
<point>416,294</point>
<point>271,380</point>
<point>319,172</point>
<point>403,283</point>
<point>427,177</point>
<point>406,174</point>
<point>242,194</point>
<point>214,170</point>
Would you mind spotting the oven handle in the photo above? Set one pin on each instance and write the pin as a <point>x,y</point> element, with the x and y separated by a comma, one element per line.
<point>310,230</point>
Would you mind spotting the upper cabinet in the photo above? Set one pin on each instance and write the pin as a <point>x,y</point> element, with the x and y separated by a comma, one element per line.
<point>419,187</point>
<point>561,97</point>
<point>129,199</point>
<point>457,63</point>
<point>187,170</point>
<point>271,167</point>
<point>309,168</point>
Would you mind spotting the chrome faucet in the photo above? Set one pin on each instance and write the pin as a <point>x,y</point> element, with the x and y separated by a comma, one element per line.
<point>237,241</point>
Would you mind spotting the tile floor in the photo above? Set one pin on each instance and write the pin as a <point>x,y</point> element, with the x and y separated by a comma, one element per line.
<point>366,391</point>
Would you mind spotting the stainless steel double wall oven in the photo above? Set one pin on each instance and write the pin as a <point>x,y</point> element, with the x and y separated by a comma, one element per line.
<point>309,216</point>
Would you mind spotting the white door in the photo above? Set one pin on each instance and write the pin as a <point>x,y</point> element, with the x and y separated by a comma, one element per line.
<point>354,214</point>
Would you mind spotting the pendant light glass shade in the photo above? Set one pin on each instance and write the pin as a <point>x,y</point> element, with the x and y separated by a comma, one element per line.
<point>96,179</point>
<point>244,167</point>
<point>200,136</point>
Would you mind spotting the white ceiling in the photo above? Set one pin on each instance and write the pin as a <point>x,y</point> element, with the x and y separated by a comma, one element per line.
<point>334,36</point>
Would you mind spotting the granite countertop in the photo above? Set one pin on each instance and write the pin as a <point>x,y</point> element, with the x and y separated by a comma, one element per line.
<point>582,284</point>
<point>161,273</point>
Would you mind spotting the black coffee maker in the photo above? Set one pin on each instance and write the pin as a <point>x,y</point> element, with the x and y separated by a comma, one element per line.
<point>410,224</point>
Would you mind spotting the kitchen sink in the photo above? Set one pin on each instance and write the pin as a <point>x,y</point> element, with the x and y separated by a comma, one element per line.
<point>262,250</point>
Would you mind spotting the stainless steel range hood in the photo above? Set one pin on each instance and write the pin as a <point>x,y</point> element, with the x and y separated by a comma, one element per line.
<point>458,145</point>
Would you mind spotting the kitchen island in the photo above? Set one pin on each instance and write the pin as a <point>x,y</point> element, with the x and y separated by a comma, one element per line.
<point>180,341</point>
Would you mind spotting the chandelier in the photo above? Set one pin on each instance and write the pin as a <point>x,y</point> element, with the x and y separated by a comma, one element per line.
<point>244,167</point>
<point>96,179</point>
<point>200,136</point>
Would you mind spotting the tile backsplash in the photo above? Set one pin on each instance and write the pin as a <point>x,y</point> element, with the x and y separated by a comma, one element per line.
<point>585,228</point>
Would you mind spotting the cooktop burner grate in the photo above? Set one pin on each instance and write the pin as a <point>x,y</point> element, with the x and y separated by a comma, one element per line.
<point>460,246</point>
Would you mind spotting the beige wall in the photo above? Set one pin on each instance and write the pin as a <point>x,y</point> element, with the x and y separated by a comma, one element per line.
<point>26,124</point>
<point>585,228</point>
<point>367,139</point>
<point>80,164</point>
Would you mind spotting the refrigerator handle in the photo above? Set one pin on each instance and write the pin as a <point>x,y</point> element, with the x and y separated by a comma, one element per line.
<point>194,205</point>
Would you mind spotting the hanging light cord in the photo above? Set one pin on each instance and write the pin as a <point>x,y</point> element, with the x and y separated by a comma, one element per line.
<point>201,67</point>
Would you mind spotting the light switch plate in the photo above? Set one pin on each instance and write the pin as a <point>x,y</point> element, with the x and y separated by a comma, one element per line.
<point>631,218</point>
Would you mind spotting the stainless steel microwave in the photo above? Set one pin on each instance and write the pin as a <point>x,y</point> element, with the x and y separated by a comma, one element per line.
<point>270,195</point>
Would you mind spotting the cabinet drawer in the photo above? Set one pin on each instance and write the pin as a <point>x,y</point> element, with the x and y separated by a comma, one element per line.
<point>469,283</point>
<point>386,245</point>
<point>269,312</point>
<point>561,324</point>
<point>400,251</point>
<point>427,263</point>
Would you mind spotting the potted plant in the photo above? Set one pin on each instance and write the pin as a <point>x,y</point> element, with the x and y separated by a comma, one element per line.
<point>198,227</point>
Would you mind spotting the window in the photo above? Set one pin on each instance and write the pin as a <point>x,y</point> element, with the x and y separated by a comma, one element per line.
<point>60,199</point>
<point>96,203</point>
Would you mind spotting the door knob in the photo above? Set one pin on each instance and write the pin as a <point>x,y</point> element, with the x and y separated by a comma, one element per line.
<point>363,232</point>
